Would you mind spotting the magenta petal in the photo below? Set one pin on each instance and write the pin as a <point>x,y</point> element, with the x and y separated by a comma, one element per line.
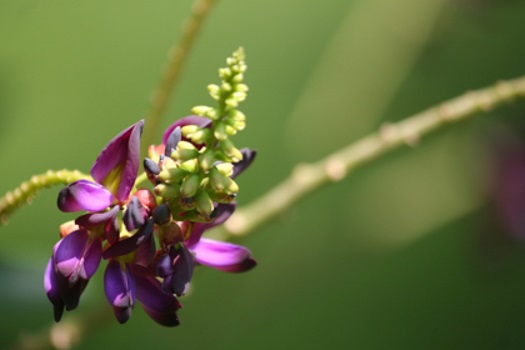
<point>117,165</point>
<point>223,256</point>
<point>76,256</point>
<point>191,120</point>
<point>119,287</point>
<point>84,195</point>
<point>222,213</point>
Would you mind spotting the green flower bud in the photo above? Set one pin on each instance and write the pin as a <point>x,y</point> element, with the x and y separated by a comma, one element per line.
<point>238,78</point>
<point>190,166</point>
<point>230,151</point>
<point>188,130</point>
<point>230,130</point>
<point>184,154</point>
<point>220,132</point>
<point>200,136</point>
<point>231,187</point>
<point>239,96</point>
<point>225,73</point>
<point>231,103</point>
<point>172,175</point>
<point>214,91</point>
<point>241,87</point>
<point>167,191</point>
<point>206,160</point>
<point>226,87</point>
<point>190,185</point>
<point>203,203</point>
<point>200,110</point>
<point>226,169</point>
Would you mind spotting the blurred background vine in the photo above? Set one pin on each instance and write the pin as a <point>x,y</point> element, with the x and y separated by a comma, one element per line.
<point>409,252</point>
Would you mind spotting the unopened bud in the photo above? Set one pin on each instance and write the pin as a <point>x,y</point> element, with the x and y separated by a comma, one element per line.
<point>189,186</point>
<point>203,203</point>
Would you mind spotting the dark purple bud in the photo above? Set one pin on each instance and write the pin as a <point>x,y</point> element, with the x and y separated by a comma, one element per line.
<point>130,244</point>
<point>145,252</point>
<point>183,265</point>
<point>162,214</point>
<point>84,195</point>
<point>159,305</point>
<point>119,286</point>
<point>248,156</point>
<point>117,165</point>
<point>151,167</point>
<point>51,286</point>
<point>172,141</point>
<point>135,215</point>
<point>77,256</point>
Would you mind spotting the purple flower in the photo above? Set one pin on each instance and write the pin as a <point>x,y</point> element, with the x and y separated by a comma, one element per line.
<point>119,286</point>
<point>75,259</point>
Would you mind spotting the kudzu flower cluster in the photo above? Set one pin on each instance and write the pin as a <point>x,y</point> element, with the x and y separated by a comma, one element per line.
<point>152,239</point>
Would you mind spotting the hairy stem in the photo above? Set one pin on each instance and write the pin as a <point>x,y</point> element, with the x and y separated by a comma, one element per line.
<point>177,57</point>
<point>306,178</point>
<point>27,190</point>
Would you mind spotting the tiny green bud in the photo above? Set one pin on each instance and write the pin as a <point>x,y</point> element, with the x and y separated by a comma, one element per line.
<point>200,136</point>
<point>167,191</point>
<point>231,103</point>
<point>217,180</point>
<point>214,91</point>
<point>200,110</point>
<point>225,169</point>
<point>225,73</point>
<point>220,132</point>
<point>189,186</point>
<point>172,175</point>
<point>190,165</point>
<point>206,160</point>
<point>241,87</point>
<point>239,96</point>
<point>212,114</point>
<point>203,203</point>
<point>184,154</point>
<point>229,150</point>
<point>231,187</point>
<point>187,130</point>
<point>238,78</point>
<point>230,130</point>
<point>226,87</point>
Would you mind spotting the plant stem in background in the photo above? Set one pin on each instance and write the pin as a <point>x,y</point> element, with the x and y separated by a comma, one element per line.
<point>306,178</point>
<point>177,57</point>
<point>24,193</point>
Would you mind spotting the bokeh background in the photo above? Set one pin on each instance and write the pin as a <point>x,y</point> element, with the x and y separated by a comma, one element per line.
<point>409,252</point>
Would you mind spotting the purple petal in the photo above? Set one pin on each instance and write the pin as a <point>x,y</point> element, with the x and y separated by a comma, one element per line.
<point>159,305</point>
<point>130,244</point>
<point>117,165</point>
<point>145,252</point>
<point>51,286</point>
<point>191,120</point>
<point>223,256</point>
<point>119,286</point>
<point>84,195</point>
<point>248,156</point>
<point>92,220</point>
<point>77,256</point>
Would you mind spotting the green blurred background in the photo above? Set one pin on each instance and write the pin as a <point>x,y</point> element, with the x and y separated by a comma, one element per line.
<point>403,254</point>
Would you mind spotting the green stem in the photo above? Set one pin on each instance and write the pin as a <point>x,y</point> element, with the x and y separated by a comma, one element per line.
<point>27,190</point>
<point>178,54</point>
<point>306,178</point>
